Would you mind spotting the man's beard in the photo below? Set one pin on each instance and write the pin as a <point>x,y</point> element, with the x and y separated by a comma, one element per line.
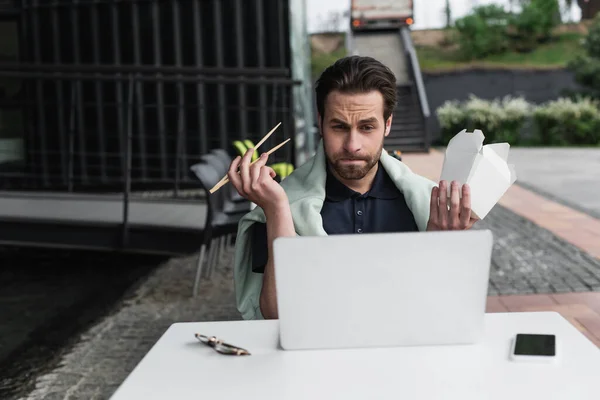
<point>354,171</point>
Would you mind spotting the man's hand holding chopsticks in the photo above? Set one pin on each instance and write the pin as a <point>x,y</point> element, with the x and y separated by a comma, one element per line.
<point>256,182</point>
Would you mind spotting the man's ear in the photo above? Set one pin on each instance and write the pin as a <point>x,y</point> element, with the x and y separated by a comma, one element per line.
<point>388,125</point>
<point>320,119</point>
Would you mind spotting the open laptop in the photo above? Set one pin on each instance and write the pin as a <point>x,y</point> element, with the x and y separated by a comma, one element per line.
<point>384,289</point>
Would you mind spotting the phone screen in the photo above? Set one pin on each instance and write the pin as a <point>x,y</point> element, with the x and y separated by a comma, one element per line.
<point>535,345</point>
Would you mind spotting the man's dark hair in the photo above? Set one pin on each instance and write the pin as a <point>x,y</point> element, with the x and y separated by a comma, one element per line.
<point>356,74</point>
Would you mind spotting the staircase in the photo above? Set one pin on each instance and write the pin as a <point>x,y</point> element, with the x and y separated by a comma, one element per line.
<point>408,125</point>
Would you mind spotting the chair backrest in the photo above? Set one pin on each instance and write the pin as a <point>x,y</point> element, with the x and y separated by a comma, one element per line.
<point>217,162</point>
<point>220,155</point>
<point>222,167</point>
<point>209,176</point>
<point>223,155</point>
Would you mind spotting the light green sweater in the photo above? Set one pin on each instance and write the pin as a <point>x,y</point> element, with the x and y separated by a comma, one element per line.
<point>305,189</point>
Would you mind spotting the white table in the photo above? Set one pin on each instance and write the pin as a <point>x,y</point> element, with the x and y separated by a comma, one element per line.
<point>180,367</point>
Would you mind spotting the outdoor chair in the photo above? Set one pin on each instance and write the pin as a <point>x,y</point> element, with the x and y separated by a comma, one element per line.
<point>218,225</point>
<point>232,205</point>
<point>226,159</point>
<point>235,202</point>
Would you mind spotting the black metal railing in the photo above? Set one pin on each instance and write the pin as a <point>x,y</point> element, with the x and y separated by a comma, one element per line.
<point>7,6</point>
<point>164,81</point>
<point>76,141</point>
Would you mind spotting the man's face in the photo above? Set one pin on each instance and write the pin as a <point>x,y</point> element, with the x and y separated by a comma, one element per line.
<point>353,131</point>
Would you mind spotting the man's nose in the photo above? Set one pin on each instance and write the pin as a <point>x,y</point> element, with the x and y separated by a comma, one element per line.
<point>352,143</point>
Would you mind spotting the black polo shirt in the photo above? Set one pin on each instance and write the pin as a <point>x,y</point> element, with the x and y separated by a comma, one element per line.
<point>381,209</point>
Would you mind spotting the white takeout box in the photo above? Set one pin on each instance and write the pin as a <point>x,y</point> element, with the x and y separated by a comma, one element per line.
<point>483,168</point>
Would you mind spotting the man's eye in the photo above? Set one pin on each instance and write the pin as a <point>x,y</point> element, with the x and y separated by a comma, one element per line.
<point>339,127</point>
<point>368,128</point>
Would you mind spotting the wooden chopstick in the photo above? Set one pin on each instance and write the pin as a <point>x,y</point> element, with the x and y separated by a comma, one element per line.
<point>224,181</point>
<point>255,147</point>
<point>266,136</point>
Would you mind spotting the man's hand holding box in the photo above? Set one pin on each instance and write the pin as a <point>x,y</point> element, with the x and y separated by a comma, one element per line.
<point>483,168</point>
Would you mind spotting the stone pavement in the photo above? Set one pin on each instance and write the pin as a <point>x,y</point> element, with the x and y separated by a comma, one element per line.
<point>570,176</point>
<point>106,353</point>
<point>527,259</point>
<point>47,296</point>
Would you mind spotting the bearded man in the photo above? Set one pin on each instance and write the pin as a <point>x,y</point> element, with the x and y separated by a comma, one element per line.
<point>350,186</point>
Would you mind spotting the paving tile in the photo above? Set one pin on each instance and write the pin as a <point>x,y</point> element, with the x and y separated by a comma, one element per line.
<point>494,305</point>
<point>590,299</point>
<point>594,229</point>
<point>585,319</point>
<point>576,322</point>
<point>579,326</point>
<point>592,324</point>
<point>592,338</point>
<point>566,310</point>
<point>562,226</point>
<point>519,303</point>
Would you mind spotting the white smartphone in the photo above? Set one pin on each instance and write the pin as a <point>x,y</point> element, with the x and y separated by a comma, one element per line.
<point>529,347</point>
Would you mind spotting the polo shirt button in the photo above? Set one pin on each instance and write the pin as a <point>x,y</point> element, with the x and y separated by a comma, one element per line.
<point>359,230</point>
<point>359,212</point>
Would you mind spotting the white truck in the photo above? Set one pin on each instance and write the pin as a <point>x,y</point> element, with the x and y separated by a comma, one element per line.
<point>381,14</point>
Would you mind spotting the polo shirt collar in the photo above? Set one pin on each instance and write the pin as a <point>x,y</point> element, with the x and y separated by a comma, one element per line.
<point>383,187</point>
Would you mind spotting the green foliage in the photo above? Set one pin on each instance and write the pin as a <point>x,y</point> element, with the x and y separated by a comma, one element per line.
<point>549,14</point>
<point>554,54</point>
<point>587,73</point>
<point>452,118</point>
<point>568,122</point>
<point>500,120</point>
<point>592,40</point>
<point>483,32</point>
<point>586,68</point>
<point>491,30</point>
<point>526,27</point>
<point>564,121</point>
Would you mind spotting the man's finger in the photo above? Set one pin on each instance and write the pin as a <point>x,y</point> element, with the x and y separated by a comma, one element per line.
<point>465,207</point>
<point>433,205</point>
<point>454,205</point>
<point>245,170</point>
<point>266,173</point>
<point>443,207</point>
<point>256,167</point>
<point>234,177</point>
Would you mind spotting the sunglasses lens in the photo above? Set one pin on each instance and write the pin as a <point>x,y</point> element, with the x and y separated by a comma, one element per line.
<point>230,350</point>
<point>202,338</point>
<point>225,349</point>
